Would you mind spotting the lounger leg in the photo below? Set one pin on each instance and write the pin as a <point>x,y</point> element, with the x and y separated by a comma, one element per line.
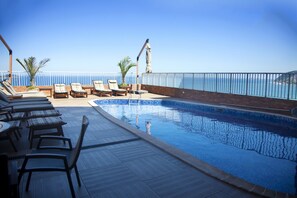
<point>28,181</point>
<point>77,176</point>
<point>60,131</point>
<point>12,144</point>
<point>20,176</point>
<point>70,183</point>
<point>19,133</point>
<point>31,135</point>
<point>16,134</point>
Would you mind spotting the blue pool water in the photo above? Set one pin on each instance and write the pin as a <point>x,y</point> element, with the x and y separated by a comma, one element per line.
<point>258,148</point>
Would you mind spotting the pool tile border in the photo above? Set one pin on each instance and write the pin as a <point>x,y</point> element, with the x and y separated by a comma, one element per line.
<point>187,158</point>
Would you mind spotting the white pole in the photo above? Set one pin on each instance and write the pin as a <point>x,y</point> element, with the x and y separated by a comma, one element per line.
<point>137,59</point>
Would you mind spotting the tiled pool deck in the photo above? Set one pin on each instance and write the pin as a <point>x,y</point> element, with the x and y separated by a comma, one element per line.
<point>117,163</point>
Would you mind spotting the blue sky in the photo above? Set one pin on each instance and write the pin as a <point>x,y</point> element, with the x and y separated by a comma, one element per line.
<point>185,35</point>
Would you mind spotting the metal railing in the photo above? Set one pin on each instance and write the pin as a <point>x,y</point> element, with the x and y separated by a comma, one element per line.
<point>269,85</point>
<point>49,78</point>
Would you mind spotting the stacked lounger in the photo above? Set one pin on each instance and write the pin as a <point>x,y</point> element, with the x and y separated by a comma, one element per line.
<point>39,114</point>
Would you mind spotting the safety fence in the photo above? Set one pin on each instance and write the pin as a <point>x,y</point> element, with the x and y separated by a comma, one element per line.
<point>50,78</point>
<point>270,85</point>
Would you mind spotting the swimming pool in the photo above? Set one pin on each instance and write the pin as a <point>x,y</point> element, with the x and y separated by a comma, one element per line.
<point>259,148</point>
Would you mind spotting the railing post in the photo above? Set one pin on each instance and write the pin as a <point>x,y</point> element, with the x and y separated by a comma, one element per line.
<point>174,80</point>
<point>203,87</point>
<point>193,76</point>
<point>289,86</point>
<point>183,80</point>
<point>166,81</point>
<point>230,91</point>
<point>159,84</point>
<point>216,86</point>
<point>247,84</point>
<point>266,80</point>
<point>19,79</point>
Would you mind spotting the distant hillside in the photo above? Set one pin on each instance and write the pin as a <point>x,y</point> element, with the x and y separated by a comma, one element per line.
<point>287,77</point>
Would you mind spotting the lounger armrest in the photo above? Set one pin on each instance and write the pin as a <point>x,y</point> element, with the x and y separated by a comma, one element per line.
<point>6,113</point>
<point>52,137</point>
<point>7,107</point>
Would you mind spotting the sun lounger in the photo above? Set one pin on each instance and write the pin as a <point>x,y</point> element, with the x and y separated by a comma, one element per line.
<point>9,88</point>
<point>7,98</point>
<point>7,115</point>
<point>24,107</point>
<point>113,85</point>
<point>77,90</point>
<point>100,89</point>
<point>4,102</point>
<point>9,95</point>
<point>15,94</point>
<point>37,124</point>
<point>60,91</point>
<point>43,113</point>
<point>14,119</point>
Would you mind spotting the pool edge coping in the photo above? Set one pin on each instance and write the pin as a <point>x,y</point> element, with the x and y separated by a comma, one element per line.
<point>189,159</point>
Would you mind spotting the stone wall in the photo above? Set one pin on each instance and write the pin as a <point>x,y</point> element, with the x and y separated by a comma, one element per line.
<point>247,102</point>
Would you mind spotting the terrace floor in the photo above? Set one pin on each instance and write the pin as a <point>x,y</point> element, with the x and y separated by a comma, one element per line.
<point>116,163</point>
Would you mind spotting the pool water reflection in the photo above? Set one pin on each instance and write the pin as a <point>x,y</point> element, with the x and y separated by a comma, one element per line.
<point>262,154</point>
